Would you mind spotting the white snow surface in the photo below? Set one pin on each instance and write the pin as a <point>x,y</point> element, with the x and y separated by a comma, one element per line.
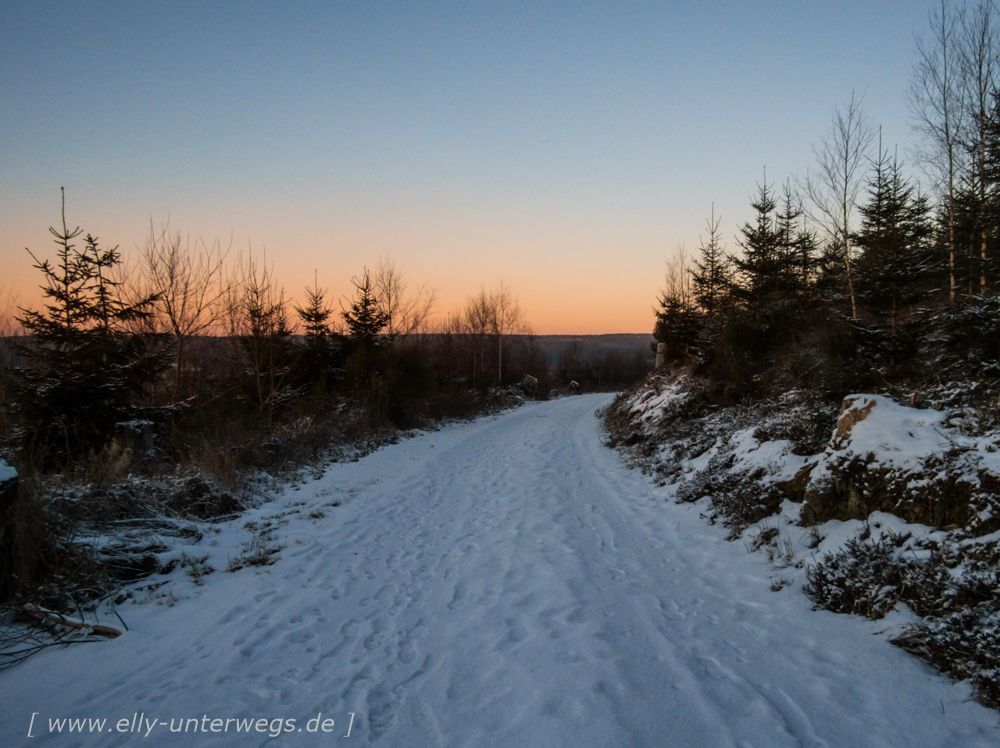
<point>905,440</point>
<point>506,582</point>
<point>897,436</point>
<point>6,472</point>
<point>651,404</point>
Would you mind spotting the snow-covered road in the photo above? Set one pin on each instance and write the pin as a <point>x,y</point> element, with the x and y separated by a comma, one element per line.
<point>501,583</point>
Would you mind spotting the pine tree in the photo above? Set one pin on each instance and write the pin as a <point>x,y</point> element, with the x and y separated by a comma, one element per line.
<point>266,341</point>
<point>365,319</point>
<point>894,236</point>
<point>321,354</point>
<point>970,218</point>
<point>990,264</point>
<point>678,325</point>
<point>710,275</point>
<point>760,272</point>
<point>808,246</point>
<point>87,371</point>
<point>796,250</point>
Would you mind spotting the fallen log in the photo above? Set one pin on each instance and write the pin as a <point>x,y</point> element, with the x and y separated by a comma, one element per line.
<point>50,617</point>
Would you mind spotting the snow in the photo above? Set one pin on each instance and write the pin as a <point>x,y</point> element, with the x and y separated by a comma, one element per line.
<point>6,472</point>
<point>920,447</point>
<point>651,404</point>
<point>891,435</point>
<point>774,457</point>
<point>506,582</point>
<point>902,437</point>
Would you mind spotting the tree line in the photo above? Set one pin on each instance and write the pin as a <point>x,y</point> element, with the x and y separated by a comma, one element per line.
<point>208,352</point>
<point>853,276</point>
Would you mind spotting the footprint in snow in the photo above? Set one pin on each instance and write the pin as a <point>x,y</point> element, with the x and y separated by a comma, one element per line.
<point>714,669</point>
<point>458,596</point>
<point>671,611</point>
<point>515,635</point>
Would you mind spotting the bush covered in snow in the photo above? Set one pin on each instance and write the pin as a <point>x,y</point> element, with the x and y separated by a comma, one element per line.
<point>963,643</point>
<point>953,584</point>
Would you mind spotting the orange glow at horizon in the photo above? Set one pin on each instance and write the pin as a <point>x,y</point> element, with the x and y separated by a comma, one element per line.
<point>563,291</point>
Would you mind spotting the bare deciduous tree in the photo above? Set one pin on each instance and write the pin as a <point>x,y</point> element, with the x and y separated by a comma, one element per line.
<point>450,343</point>
<point>936,100</point>
<point>191,284</point>
<point>834,186</point>
<point>977,46</point>
<point>8,312</point>
<point>407,311</point>
<point>9,326</point>
<point>476,322</point>
<point>485,331</point>
<point>677,278</point>
<point>508,319</point>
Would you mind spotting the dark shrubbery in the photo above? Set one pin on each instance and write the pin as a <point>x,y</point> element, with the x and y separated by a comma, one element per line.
<point>960,612</point>
<point>963,643</point>
<point>863,578</point>
<point>108,419</point>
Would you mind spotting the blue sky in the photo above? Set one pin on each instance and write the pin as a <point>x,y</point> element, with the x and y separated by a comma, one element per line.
<point>568,148</point>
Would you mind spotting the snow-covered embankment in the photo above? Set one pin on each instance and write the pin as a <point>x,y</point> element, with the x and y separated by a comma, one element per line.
<point>878,509</point>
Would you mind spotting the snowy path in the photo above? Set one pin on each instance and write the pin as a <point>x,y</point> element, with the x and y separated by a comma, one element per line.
<point>501,583</point>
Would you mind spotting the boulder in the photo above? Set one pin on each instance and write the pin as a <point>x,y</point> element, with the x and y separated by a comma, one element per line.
<point>853,411</point>
<point>888,457</point>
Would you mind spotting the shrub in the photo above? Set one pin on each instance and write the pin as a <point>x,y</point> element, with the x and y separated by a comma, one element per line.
<point>862,578</point>
<point>960,630</point>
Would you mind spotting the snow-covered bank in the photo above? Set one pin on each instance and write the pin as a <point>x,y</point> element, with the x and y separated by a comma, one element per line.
<point>505,582</point>
<point>880,508</point>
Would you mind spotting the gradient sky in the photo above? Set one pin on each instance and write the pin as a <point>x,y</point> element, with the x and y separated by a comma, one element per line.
<point>567,148</point>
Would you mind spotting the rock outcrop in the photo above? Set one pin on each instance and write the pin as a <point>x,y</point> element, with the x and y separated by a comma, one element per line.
<point>888,457</point>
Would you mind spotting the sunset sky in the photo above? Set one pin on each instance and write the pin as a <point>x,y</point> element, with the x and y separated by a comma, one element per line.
<point>566,148</point>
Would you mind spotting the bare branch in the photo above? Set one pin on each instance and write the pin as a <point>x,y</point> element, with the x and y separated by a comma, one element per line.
<point>937,101</point>
<point>191,285</point>
<point>834,185</point>
<point>407,311</point>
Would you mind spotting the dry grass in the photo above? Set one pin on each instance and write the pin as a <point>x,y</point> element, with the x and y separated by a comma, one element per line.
<point>40,560</point>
